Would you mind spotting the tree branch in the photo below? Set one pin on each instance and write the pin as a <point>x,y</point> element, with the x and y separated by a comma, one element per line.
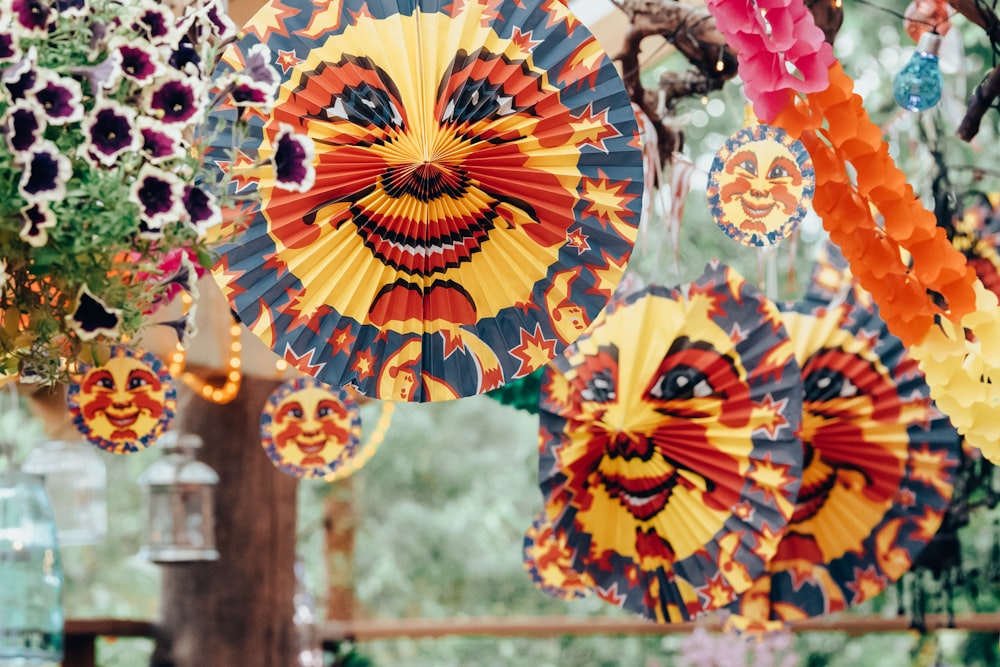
<point>986,92</point>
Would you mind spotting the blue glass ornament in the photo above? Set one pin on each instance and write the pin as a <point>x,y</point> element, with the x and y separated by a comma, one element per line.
<point>917,87</point>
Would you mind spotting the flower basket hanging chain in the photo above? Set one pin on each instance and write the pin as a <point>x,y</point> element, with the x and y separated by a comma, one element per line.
<point>104,208</point>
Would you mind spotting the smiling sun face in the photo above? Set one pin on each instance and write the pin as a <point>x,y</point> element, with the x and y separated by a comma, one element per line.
<point>308,429</point>
<point>124,404</point>
<point>760,183</point>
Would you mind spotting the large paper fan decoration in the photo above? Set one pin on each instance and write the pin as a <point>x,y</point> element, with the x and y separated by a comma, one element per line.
<point>668,443</point>
<point>879,466</point>
<point>549,562</point>
<point>477,192</point>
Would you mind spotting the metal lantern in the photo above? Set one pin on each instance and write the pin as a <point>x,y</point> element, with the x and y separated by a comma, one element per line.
<point>76,482</point>
<point>179,494</point>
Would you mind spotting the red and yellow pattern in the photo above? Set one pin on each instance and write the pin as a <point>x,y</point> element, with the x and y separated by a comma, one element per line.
<point>668,445</point>
<point>476,166</point>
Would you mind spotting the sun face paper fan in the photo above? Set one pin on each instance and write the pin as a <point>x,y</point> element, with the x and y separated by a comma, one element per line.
<point>760,185</point>
<point>477,192</point>
<point>668,448</point>
<point>310,430</point>
<point>125,403</point>
<point>879,465</point>
<point>549,562</point>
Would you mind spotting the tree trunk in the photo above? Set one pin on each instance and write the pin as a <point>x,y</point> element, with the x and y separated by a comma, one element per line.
<point>236,611</point>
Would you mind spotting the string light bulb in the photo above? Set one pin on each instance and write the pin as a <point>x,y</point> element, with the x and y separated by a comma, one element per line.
<point>917,87</point>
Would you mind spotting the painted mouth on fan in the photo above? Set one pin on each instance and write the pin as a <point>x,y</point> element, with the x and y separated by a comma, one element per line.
<point>438,250</point>
<point>757,212</point>
<point>644,498</point>
<point>812,497</point>
<point>425,181</point>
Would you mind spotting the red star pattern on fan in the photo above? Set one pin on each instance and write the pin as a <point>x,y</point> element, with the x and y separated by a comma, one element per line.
<point>534,351</point>
<point>765,544</point>
<point>577,239</point>
<point>343,339</point>
<point>304,362</point>
<point>287,60</point>
<point>607,201</point>
<point>716,592</point>
<point>272,19</point>
<point>770,478</point>
<point>364,12</point>
<point>593,129</point>
<point>928,524</point>
<point>768,417</point>
<point>866,584</point>
<point>243,170</point>
<point>524,43</point>
<point>709,293</point>
<point>928,467</point>
<point>364,364</point>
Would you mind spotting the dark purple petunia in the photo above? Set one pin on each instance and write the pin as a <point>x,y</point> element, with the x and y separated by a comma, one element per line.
<point>154,23</point>
<point>36,219</point>
<point>139,62</point>
<point>62,99</point>
<point>24,127</point>
<point>184,55</point>
<point>10,50</point>
<point>159,141</point>
<point>293,160</point>
<point>34,16</point>
<point>174,101</point>
<point>157,193</point>
<point>72,7</point>
<point>110,131</point>
<point>45,174</point>
<point>93,317</point>
<point>249,93</point>
<point>222,26</point>
<point>22,78</point>
<point>201,207</point>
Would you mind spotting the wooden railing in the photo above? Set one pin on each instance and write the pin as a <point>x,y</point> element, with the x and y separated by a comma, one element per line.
<point>80,637</point>
<point>81,634</point>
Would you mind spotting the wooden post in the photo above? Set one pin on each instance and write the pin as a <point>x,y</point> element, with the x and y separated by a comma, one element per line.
<point>237,610</point>
<point>339,522</point>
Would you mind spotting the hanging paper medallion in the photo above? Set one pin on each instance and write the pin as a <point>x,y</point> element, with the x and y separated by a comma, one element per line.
<point>124,404</point>
<point>309,429</point>
<point>760,185</point>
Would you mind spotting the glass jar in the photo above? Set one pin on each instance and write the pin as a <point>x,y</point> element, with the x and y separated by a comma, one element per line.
<point>76,482</point>
<point>31,579</point>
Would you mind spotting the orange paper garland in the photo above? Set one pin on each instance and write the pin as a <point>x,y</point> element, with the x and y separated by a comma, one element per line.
<point>837,130</point>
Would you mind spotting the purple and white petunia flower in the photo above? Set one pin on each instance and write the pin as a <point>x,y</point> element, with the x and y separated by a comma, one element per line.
<point>92,317</point>
<point>22,78</point>
<point>10,47</point>
<point>37,219</point>
<point>24,125</point>
<point>140,61</point>
<point>185,58</point>
<point>105,74</point>
<point>33,17</point>
<point>159,196</point>
<point>174,100</point>
<point>260,66</point>
<point>73,7</point>
<point>202,210</point>
<point>159,141</point>
<point>111,130</point>
<point>221,25</point>
<point>45,174</point>
<point>155,22</point>
<point>62,99</point>
<point>293,160</point>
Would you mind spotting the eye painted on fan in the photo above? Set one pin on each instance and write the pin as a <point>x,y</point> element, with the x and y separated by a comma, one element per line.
<point>681,383</point>
<point>600,387</point>
<point>356,90</point>
<point>476,101</point>
<point>826,384</point>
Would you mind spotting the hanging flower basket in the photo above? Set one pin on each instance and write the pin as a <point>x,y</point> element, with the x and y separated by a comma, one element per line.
<point>104,206</point>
